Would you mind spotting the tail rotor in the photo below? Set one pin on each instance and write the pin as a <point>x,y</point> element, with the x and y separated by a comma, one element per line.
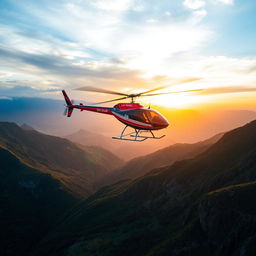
<point>65,110</point>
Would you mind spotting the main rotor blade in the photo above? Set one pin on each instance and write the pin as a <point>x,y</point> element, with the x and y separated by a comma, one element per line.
<point>230,89</point>
<point>155,94</point>
<point>152,90</point>
<point>187,80</point>
<point>109,101</point>
<point>93,89</point>
<point>182,81</point>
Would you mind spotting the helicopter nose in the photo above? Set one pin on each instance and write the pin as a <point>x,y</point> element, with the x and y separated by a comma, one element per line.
<point>165,124</point>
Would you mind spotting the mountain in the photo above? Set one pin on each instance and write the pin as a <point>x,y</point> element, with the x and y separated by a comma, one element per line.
<point>199,206</point>
<point>186,125</point>
<point>31,203</point>
<point>77,167</point>
<point>89,138</point>
<point>124,150</point>
<point>141,165</point>
<point>27,127</point>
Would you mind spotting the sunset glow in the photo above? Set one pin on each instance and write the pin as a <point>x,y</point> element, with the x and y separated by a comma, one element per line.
<point>119,44</point>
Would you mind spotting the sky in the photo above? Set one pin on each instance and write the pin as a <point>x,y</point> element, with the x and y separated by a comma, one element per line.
<point>129,45</point>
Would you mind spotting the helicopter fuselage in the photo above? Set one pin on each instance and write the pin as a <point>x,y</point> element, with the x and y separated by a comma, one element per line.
<point>131,114</point>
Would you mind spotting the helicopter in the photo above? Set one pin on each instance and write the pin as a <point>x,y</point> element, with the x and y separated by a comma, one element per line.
<point>134,115</point>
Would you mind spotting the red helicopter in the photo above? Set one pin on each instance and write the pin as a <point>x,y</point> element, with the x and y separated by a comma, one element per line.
<point>132,114</point>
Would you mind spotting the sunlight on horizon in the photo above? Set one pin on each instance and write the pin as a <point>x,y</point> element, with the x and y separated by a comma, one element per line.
<point>124,44</point>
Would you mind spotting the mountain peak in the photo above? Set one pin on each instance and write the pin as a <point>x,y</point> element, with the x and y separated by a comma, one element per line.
<point>239,138</point>
<point>27,127</point>
<point>75,166</point>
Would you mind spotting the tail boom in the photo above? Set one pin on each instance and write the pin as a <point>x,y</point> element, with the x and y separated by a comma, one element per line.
<point>70,107</point>
<point>102,110</point>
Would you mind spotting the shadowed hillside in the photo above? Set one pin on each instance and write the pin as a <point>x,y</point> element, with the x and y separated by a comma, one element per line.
<point>76,167</point>
<point>27,127</point>
<point>200,206</point>
<point>31,203</point>
<point>141,165</point>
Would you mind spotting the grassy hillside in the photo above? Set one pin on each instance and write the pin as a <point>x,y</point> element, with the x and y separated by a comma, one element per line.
<point>199,206</point>
<point>76,167</point>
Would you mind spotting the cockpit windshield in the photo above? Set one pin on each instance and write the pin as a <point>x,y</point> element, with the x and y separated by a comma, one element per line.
<point>145,115</point>
<point>138,115</point>
<point>154,117</point>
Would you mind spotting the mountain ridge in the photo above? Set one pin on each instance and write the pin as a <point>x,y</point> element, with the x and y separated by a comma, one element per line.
<point>166,156</point>
<point>75,166</point>
<point>163,211</point>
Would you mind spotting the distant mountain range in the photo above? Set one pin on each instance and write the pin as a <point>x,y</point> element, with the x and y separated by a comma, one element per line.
<point>124,150</point>
<point>199,206</point>
<point>27,127</point>
<point>186,125</point>
<point>141,165</point>
<point>89,138</point>
<point>202,202</point>
<point>77,167</point>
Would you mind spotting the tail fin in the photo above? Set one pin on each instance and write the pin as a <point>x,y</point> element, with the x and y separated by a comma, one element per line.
<point>69,107</point>
<point>68,101</point>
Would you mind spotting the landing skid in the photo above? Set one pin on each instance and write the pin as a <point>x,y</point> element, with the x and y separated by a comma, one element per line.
<point>135,136</point>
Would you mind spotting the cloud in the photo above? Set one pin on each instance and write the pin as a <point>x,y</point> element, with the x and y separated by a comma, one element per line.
<point>61,66</point>
<point>99,30</point>
<point>194,4</point>
<point>228,2</point>
<point>5,98</point>
<point>47,45</point>
<point>93,46</point>
<point>21,91</point>
<point>198,15</point>
<point>113,5</point>
<point>5,75</point>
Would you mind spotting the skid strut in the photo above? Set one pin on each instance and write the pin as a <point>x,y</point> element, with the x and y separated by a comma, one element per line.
<point>136,135</point>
